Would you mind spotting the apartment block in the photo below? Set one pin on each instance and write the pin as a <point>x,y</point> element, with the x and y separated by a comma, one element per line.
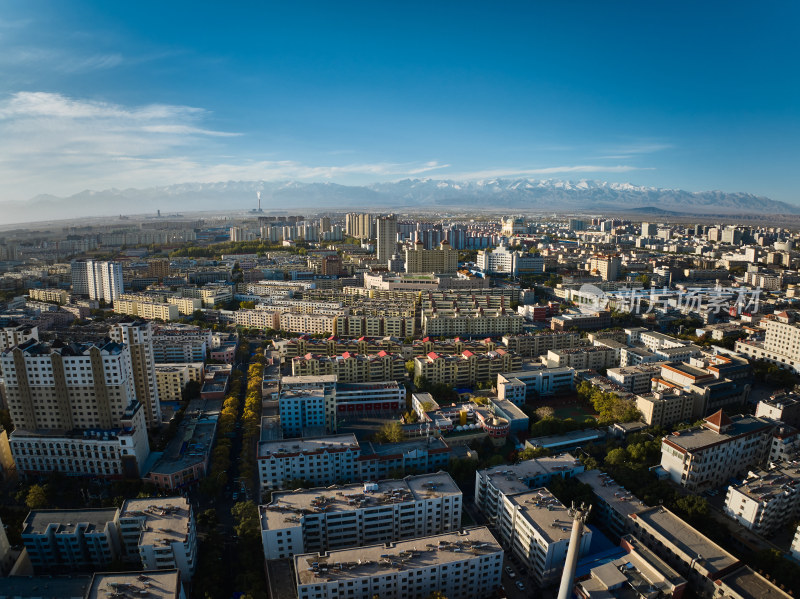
<point>461,565</point>
<point>467,369</point>
<point>478,321</point>
<point>767,500</point>
<point>58,386</point>
<point>784,407</point>
<point>668,407</point>
<point>143,308</point>
<point>68,540</point>
<point>332,518</point>
<point>494,484</point>
<point>58,296</point>
<point>532,346</point>
<point>442,260</point>
<point>303,412</point>
<point>113,453</point>
<point>352,368</point>
<point>160,532</point>
<point>636,379</point>
<point>536,527</point>
<point>705,457</point>
<point>709,569</point>
<point>781,343</point>
<point>581,358</point>
<point>322,461</point>
<point>353,325</point>
<point>186,305</point>
<point>172,378</point>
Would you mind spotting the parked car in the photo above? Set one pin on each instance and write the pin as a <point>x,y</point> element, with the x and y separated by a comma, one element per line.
<point>510,572</point>
<point>520,585</point>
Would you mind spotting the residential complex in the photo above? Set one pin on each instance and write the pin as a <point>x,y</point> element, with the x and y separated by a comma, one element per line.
<point>325,519</point>
<point>461,565</point>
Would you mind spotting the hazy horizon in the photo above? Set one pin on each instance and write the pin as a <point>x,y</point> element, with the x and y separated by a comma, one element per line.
<point>98,96</point>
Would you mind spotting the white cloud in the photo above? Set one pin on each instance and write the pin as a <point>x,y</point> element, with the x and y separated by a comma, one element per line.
<point>61,145</point>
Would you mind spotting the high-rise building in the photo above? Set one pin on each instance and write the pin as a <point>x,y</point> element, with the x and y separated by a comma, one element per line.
<point>104,280</point>
<point>138,337</point>
<point>386,245</point>
<point>649,229</point>
<point>65,387</point>
<point>443,260</point>
<point>360,225</point>
<point>608,267</point>
<point>80,277</point>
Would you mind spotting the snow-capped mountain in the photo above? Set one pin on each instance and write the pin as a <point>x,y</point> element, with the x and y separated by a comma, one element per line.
<point>519,195</point>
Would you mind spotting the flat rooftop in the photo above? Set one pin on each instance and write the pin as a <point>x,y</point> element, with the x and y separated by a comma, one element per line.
<point>745,582</point>
<point>287,506</point>
<point>388,449</point>
<point>44,587</point>
<point>767,485</point>
<point>309,444</point>
<point>514,479</point>
<point>153,584</point>
<point>545,513</point>
<point>68,520</point>
<point>166,519</point>
<point>567,439</point>
<point>614,495</point>
<point>686,539</point>
<point>376,560</point>
<point>699,437</point>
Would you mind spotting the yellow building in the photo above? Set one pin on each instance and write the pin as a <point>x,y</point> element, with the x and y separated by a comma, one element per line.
<point>443,260</point>
<point>58,296</point>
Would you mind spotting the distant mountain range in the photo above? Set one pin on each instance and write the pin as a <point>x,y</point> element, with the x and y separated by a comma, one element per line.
<point>517,195</point>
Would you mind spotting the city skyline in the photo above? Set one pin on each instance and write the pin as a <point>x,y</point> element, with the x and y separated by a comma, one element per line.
<point>96,96</point>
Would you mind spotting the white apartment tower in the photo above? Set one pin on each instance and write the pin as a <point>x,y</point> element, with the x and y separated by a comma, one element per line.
<point>104,280</point>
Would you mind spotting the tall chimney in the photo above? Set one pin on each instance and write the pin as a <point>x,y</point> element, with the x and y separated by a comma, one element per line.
<point>579,516</point>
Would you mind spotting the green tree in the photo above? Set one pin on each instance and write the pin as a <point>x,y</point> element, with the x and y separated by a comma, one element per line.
<point>246,520</point>
<point>617,457</point>
<point>391,432</point>
<point>36,499</point>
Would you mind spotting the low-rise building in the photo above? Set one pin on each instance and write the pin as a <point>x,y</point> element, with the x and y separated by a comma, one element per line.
<point>581,321</point>
<point>538,381</point>
<point>331,518</point>
<point>638,573</point>
<point>461,565</point>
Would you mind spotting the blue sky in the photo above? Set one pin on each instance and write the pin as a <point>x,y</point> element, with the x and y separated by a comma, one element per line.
<point>691,95</point>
